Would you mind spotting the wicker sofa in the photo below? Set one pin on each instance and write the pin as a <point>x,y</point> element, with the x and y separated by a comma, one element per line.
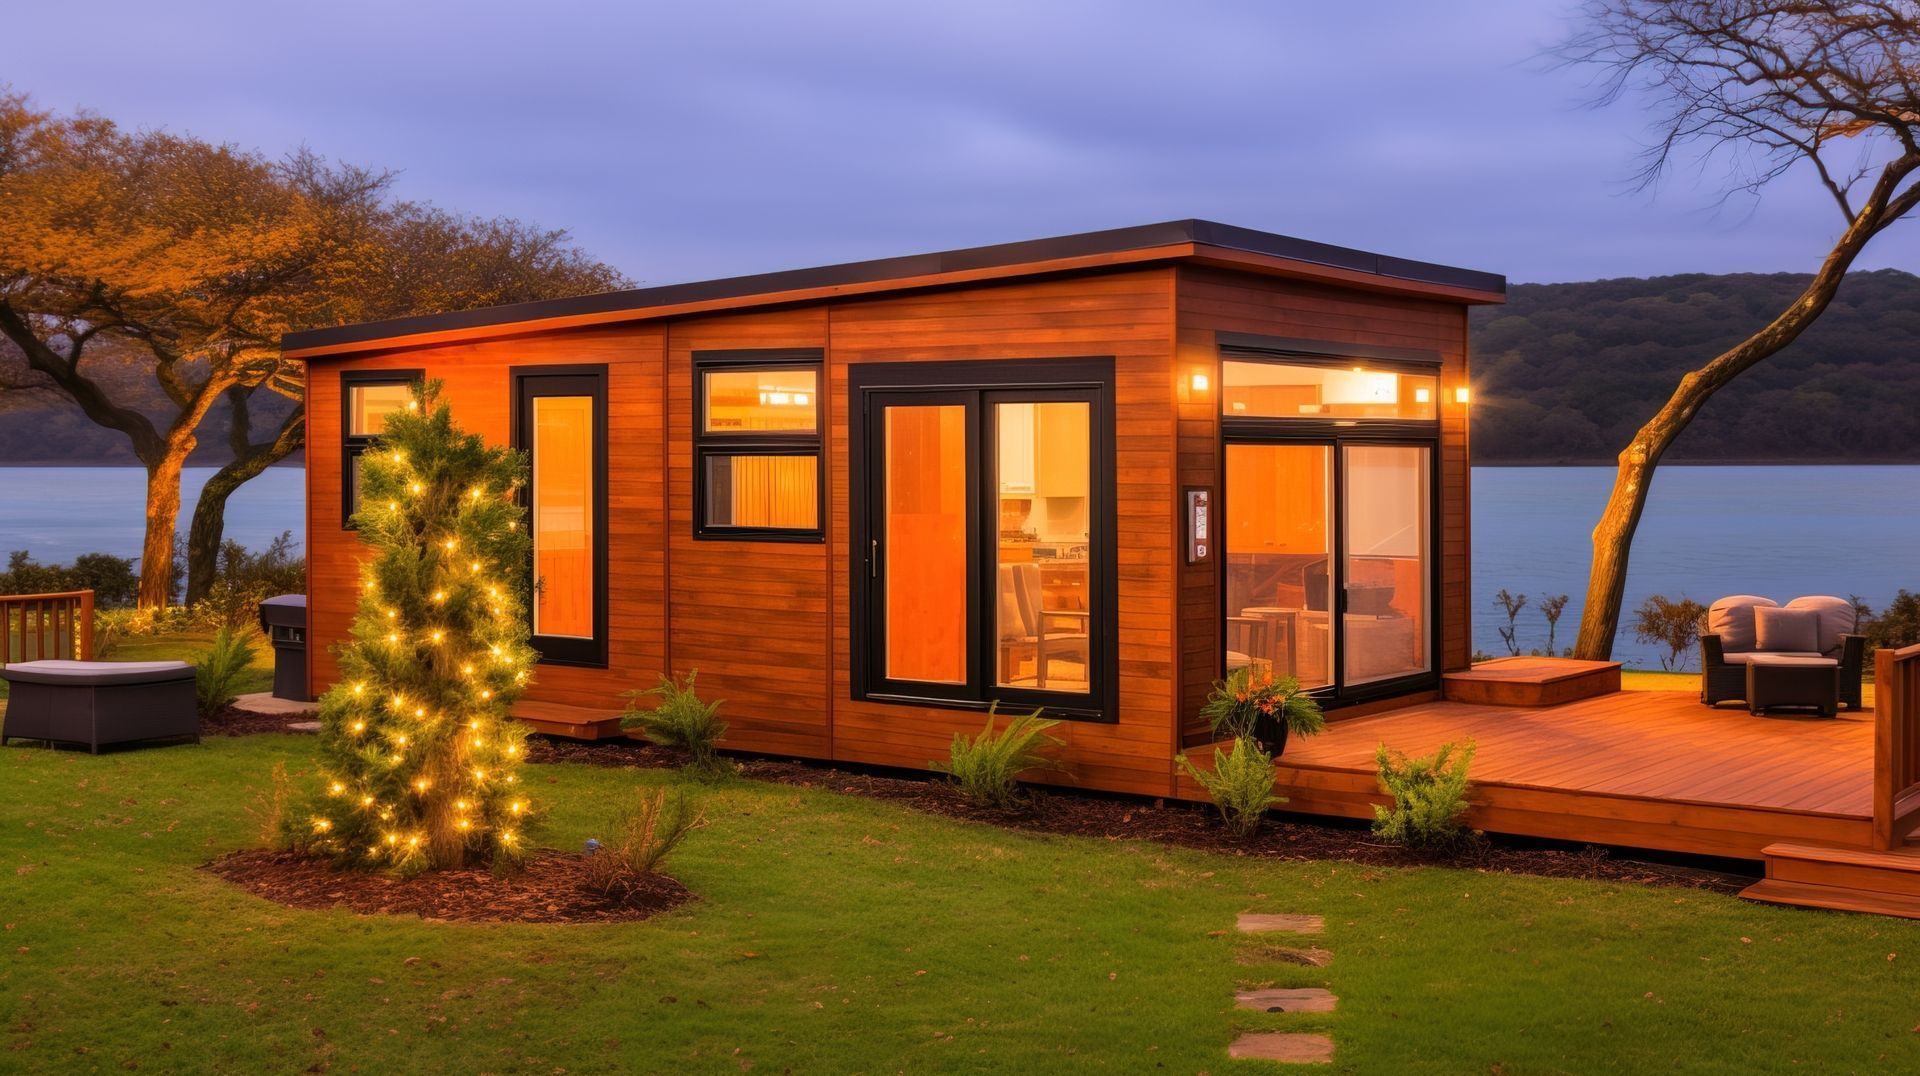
<point>1736,632</point>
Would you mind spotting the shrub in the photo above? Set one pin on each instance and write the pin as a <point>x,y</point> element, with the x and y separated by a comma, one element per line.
<point>986,768</point>
<point>218,672</point>
<point>1551,607</point>
<point>681,720</point>
<point>1236,704</point>
<point>269,807</point>
<point>1241,784</point>
<point>639,837</point>
<point>1429,796</point>
<point>1898,626</point>
<point>242,580</point>
<point>1510,604</point>
<point>1673,624</point>
<point>112,579</point>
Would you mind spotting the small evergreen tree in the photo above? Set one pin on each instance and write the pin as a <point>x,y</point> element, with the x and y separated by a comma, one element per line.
<point>419,759</point>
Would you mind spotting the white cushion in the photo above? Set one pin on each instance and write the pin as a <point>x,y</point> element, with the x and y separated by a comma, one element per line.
<point>1731,618</point>
<point>1803,660</point>
<point>1836,618</point>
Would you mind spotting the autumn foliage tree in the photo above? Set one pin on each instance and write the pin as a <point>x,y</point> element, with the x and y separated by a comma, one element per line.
<point>1827,89</point>
<point>190,260</point>
<point>419,760</point>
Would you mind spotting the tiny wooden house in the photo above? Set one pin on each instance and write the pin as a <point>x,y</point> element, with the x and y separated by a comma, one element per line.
<point>865,501</point>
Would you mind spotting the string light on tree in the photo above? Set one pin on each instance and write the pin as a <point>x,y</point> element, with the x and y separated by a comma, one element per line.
<point>417,750</point>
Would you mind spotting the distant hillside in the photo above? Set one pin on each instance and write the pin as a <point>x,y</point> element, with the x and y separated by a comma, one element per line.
<point>1565,373</point>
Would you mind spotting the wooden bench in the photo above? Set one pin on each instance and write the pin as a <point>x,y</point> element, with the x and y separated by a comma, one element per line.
<point>98,703</point>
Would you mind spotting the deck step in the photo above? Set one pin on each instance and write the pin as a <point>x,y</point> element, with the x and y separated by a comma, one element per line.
<point>573,722</point>
<point>1838,898</point>
<point>1846,879</point>
<point>1531,681</point>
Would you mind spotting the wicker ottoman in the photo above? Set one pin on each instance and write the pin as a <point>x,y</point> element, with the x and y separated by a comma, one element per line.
<point>100,702</point>
<point>1776,682</point>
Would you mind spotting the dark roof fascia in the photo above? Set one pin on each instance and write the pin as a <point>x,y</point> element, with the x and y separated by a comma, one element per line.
<point>1086,244</point>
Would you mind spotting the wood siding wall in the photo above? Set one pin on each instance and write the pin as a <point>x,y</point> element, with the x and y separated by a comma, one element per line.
<point>1211,301</point>
<point>768,624</point>
<point>479,387</point>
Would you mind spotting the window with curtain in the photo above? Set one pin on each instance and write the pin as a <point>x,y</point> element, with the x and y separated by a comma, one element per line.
<point>757,444</point>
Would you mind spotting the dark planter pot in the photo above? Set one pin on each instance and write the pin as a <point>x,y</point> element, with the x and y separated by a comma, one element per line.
<point>1271,731</point>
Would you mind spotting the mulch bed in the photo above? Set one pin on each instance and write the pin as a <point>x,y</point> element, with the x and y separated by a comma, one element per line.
<point>233,721</point>
<point>552,888</point>
<point>1185,825</point>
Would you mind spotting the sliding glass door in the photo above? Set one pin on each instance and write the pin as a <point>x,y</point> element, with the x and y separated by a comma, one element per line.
<point>1328,519</point>
<point>983,542</point>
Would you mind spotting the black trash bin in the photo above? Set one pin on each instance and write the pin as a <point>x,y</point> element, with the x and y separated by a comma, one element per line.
<point>284,619</point>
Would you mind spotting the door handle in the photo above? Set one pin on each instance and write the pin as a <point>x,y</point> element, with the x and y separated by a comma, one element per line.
<point>873,559</point>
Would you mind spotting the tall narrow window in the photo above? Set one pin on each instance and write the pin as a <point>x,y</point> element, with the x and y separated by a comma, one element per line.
<point>1388,570</point>
<point>983,534</point>
<point>757,445</point>
<point>367,397</point>
<point>560,422</point>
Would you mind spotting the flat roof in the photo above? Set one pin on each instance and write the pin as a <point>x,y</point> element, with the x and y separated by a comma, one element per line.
<point>1203,241</point>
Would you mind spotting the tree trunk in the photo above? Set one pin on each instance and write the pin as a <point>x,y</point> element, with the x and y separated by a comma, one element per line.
<point>163,514</point>
<point>208,529</point>
<point>1613,535</point>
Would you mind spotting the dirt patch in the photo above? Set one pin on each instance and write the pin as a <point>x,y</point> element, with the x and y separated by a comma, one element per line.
<point>552,888</point>
<point>1283,954</point>
<point>1186,825</point>
<point>233,721</point>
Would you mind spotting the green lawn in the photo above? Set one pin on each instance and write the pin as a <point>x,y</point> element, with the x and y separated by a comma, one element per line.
<point>840,934</point>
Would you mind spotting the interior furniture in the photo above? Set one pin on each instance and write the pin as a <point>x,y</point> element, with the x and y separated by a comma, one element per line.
<point>1743,628</point>
<point>99,703</point>
<point>1777,682</point>
<point>1282,636</point>
<point>1029,629</point>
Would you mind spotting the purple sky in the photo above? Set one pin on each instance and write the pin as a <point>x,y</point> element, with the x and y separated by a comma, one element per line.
<point>689,141</point>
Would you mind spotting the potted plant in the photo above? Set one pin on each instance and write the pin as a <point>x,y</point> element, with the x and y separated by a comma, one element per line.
<point>1263,708</point>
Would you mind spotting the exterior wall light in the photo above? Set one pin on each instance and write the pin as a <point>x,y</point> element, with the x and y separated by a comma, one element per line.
<point>1199,382</point>
<point>1461,395</point>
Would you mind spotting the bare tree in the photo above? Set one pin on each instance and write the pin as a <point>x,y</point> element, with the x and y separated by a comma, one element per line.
<point>1826,88</point>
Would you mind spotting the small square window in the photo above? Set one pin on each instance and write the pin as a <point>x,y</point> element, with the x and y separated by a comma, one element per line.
<point>757,445</point>
<point>367,397</point>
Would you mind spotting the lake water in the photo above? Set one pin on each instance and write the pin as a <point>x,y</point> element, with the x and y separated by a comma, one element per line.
<point>1708,531</point>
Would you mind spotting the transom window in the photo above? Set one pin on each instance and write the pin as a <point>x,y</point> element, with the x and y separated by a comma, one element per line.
<point>757,445</point>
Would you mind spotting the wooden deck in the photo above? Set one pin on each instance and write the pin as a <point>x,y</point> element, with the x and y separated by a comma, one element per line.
<point>1639,768</point>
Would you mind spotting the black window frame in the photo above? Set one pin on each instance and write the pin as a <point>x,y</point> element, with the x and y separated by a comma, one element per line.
<point>1338,434</point>
<point>707,445</point>
<point>352,445</point>
<point>568,380</point>
<point>980,384</point>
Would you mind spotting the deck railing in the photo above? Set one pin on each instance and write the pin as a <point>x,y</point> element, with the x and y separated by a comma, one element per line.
<point>1896,745</point>
<point>41,626</point>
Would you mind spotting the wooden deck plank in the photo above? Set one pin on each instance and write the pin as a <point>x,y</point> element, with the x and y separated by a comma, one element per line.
<point>1655,769</point>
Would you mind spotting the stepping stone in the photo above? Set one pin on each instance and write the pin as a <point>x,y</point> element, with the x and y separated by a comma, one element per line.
<point>303,726</point>
<point>1311,999</point>
<point>263,702</point>
<point>1298,1048</point>
<point>1282,954</point>
<point>1294,924</point>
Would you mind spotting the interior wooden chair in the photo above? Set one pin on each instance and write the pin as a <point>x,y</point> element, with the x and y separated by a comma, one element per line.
<point>1028,628</point>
